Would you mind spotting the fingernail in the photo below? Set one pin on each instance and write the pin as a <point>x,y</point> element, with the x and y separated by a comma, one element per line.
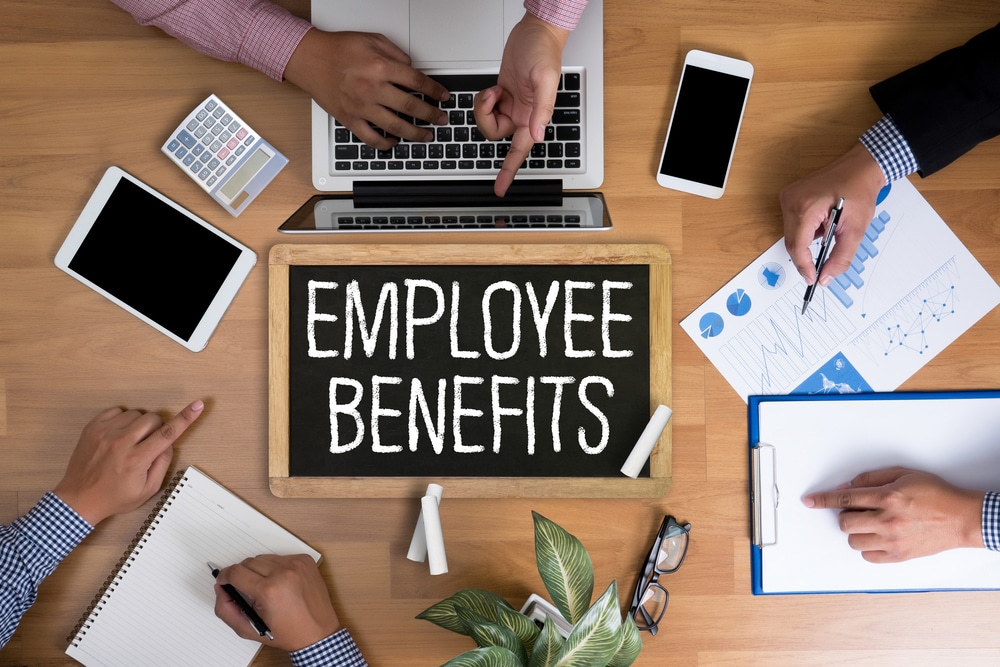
<point>197,406</point>
<point>442,119</point>
<point>808,501</point>
<point>445,96</point>
<point>825,280</point>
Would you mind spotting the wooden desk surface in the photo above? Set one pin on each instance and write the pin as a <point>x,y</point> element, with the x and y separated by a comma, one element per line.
<point>84,87</point>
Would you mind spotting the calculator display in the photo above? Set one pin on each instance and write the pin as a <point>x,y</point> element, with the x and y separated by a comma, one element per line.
<point>249,169</point>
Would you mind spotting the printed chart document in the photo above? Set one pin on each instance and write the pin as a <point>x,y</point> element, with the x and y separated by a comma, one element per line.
<point>804,444</point>
<point>912,289</point>
<point>158,608</point>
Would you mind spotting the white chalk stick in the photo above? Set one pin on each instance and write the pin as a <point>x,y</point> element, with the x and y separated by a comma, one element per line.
<point>436,558</point>
<point>418,543</point>
<point>644,446</point>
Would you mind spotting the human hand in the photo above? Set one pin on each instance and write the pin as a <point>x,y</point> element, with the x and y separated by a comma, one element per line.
<point>359,79</point>
<point>287,592</point>
<point>120,461</point>
<point>895,514</point>
<point>806,204</point>
<point>522,102</point>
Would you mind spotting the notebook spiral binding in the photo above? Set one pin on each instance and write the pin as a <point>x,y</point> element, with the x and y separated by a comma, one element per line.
<point>111,583</point>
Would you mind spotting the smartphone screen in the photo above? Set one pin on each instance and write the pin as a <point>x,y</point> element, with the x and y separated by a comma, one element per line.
<point>703,128</point>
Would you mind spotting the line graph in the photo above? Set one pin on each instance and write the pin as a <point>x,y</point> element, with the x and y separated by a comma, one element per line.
<point>781,344</point>
<point>908,327</point>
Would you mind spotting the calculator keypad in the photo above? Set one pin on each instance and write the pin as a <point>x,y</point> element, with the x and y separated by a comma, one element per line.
<point>210,141</point>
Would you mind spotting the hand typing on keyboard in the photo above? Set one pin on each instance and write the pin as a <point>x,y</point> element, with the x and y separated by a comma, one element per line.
<point>357,77</point>
<point>522,102</point>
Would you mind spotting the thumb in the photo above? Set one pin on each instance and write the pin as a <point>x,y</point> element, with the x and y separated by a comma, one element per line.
<point>231,614</point>
<point>842,254</point>
<point>545,86</point>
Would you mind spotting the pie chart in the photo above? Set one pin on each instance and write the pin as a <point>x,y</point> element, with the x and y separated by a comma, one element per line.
<point>738,303</point>
<point>710,325</point>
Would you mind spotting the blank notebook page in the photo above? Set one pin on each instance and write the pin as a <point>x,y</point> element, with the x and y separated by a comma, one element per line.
<point>159,608</point>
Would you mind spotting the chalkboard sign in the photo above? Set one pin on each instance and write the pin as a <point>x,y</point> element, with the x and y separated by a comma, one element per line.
<point>395,365</point>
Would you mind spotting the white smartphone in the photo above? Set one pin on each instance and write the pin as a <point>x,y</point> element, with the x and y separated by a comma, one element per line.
<point>704,124</point>
<point>156,260</point>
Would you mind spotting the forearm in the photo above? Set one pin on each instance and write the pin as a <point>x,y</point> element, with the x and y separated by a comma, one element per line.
<point>30,549</point>
<point>257,33</point>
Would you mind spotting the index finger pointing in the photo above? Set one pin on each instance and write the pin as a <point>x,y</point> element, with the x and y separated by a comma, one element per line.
<point>520,146</point>
<point>172,429</point>
<point>845,499</point>
<point>828,499</point>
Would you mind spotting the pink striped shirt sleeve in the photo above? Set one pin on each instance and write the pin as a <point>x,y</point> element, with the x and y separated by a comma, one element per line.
<point>562,13</point>
<point>262,35</point>
<point>257,33</point>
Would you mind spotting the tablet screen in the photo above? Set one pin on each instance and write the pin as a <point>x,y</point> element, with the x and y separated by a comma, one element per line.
<point>155,259</point>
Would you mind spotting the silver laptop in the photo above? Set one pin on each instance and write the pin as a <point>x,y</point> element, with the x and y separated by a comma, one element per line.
<point>460,43</point>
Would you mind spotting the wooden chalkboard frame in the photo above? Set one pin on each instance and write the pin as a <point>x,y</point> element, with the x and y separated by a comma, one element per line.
<point>283,256</point>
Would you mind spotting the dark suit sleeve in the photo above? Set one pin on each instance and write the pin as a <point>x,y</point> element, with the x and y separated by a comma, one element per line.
<point>947,105</point>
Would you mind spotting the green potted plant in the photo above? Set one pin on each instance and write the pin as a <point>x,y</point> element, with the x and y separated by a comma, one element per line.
<point>508,638</point>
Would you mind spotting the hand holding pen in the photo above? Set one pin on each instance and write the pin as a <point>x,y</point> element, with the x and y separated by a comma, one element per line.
<point>258,624</point>
<point>805,211</point>
<point>824,251</point>
<point>286,591</point>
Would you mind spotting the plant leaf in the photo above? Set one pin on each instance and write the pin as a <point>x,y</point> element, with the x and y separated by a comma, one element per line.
<point>595,638</point>
<point>629,644</point>
<point>520,625</point>
<point>547,646</point>
<point>493,656</point>
<point>482,602</point>
<point>486,633</point>
<point>565,568</point>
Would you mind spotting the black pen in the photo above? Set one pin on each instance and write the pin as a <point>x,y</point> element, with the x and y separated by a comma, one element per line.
<point>256,621</point>
<point>824,250</point>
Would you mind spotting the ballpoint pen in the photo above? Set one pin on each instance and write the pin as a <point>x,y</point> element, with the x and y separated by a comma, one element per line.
<point>824,250</point>
<point>256,621</point>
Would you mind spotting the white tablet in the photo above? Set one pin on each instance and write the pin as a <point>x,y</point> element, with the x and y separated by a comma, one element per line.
<point>155,259</point>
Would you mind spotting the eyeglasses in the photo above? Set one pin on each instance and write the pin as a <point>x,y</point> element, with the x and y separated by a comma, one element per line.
<point>649,601</point>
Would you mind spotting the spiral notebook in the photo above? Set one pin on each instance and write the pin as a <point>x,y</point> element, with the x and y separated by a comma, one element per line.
<point>158,606</point>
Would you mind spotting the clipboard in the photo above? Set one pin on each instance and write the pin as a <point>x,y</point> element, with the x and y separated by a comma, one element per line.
<point>801,444</point>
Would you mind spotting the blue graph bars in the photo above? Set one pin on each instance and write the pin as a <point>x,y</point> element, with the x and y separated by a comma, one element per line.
<point>867,250</point>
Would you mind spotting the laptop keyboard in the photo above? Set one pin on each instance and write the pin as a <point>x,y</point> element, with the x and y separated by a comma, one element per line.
<point>459,148</point>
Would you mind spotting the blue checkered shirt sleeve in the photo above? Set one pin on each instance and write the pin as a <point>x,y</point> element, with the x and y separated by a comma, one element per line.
<point>30,549</point>
<point>337,650</point>
<point>991,521</point>
<point>890,149</point>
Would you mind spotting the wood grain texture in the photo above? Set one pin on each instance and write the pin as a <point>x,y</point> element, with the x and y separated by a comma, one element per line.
<point>84,87</point>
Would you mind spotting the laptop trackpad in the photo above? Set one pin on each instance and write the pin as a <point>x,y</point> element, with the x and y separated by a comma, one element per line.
<point>450,31</point>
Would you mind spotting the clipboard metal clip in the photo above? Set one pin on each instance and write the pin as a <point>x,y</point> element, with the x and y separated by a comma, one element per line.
<point>764,495</point>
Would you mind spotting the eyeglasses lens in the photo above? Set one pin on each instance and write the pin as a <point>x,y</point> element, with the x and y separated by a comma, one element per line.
<point>651,607</point>
<point>672,551</point>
